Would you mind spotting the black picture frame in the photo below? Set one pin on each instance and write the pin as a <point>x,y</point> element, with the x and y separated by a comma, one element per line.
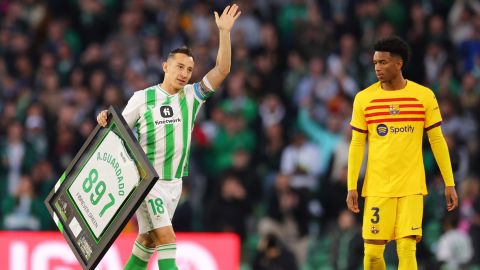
<point>90,245</point>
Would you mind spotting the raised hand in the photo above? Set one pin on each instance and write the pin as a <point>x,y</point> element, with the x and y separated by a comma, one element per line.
<point>229,15</point>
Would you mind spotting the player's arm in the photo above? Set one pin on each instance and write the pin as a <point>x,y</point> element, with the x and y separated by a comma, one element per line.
<point>355,154</point>
<point>442,156</point>
<point>433,120</point>
<point>224,23</point>
<point>355,159</point>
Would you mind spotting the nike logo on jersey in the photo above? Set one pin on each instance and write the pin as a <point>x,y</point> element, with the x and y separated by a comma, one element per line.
<point>415,228</point>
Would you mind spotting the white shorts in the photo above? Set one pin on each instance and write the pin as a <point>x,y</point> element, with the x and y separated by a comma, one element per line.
<point>157,209</point>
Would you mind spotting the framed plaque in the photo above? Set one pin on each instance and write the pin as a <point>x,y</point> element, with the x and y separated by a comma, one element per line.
<point>100,190</point>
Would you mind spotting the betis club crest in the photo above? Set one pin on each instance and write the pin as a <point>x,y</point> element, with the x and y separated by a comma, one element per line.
<point>394,109</point>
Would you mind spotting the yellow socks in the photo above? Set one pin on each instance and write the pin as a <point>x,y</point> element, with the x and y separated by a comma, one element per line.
<point>407,259</point>
<point>373,259</point>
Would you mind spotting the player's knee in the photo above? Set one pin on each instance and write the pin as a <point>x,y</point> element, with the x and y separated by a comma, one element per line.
<point>406,247</point>
<point>373,252</point>
<point>164,236</point>
<point>146,240</point>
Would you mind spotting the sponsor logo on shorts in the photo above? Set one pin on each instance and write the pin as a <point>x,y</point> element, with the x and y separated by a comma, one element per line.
<point>375,229</point>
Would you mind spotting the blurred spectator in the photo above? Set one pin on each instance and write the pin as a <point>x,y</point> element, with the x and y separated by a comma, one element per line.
<point>111,97</point>
<point>272,111</point>
<point>301,161</point>
<point>447,84</point>
<point>237,101</point>
<point>9,113</point>
<point>66,147</point>
<point>435,58</point>
<point>394,12</point>
<point>347,249</point>
<point>94,19</point>
<point>436,31</point>
<point>289,17</point>
<point>462,126</point>
<point>241,167</point>
<point>460,19</point>
<point>200,24</point>
<point>344,66</point>
<point>17,158</point>
<point>470,94</point>
<point>416,37</point>
<point>368,17</point>
<point>50,94</point>
<point>228,210</point>
<point>232,136</point>
<point>318,85</point>
<point>454,246</point>
<point>23,210</point>
<point>247,27</point>
<point>332,196</point>
<point>288,217</point>
<point>268,159</point>
<point>326,138</point>
<point>272,254</point>
<point>35,132</point>
<point>295,72</point>
<point>265,76</point>
<point>459,157</point>
<point>475,234</point>
<point>43,178</point>
<point>340,155</point>
<point>469,190</point>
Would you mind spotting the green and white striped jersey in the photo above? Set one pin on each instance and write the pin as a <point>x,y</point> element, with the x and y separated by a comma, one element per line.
<point>164,125</point>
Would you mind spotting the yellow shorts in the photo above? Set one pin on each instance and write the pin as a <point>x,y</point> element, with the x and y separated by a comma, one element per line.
<point>392,218</point>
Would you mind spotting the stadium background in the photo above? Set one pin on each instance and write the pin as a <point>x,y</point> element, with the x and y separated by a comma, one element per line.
<point>270,148</point>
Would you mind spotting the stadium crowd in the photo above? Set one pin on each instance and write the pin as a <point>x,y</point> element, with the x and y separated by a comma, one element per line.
<point>269,155</point>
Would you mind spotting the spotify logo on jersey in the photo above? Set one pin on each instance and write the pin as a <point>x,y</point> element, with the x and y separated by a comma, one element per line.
<point>382,130</point>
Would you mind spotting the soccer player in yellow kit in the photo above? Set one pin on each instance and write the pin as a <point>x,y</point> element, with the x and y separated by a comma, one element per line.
<point>393,113</point>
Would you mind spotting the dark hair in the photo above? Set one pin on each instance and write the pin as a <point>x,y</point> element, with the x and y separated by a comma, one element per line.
<point>396,46</point>
<point>183,50</point>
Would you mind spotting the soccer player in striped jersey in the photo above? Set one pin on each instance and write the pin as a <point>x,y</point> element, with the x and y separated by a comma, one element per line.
<point>393,114</point>
<point>164,116</point>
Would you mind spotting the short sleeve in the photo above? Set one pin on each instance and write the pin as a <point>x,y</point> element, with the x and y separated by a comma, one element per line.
<point>358,122</point>
<point>131,112</point>
<point>433,117</point>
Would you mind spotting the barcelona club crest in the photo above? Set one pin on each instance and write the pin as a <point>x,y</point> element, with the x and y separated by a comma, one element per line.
<point>394,109</point>
<point>375,230</point>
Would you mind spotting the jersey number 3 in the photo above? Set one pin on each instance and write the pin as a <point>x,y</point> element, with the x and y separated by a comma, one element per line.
<point>376,216</point>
